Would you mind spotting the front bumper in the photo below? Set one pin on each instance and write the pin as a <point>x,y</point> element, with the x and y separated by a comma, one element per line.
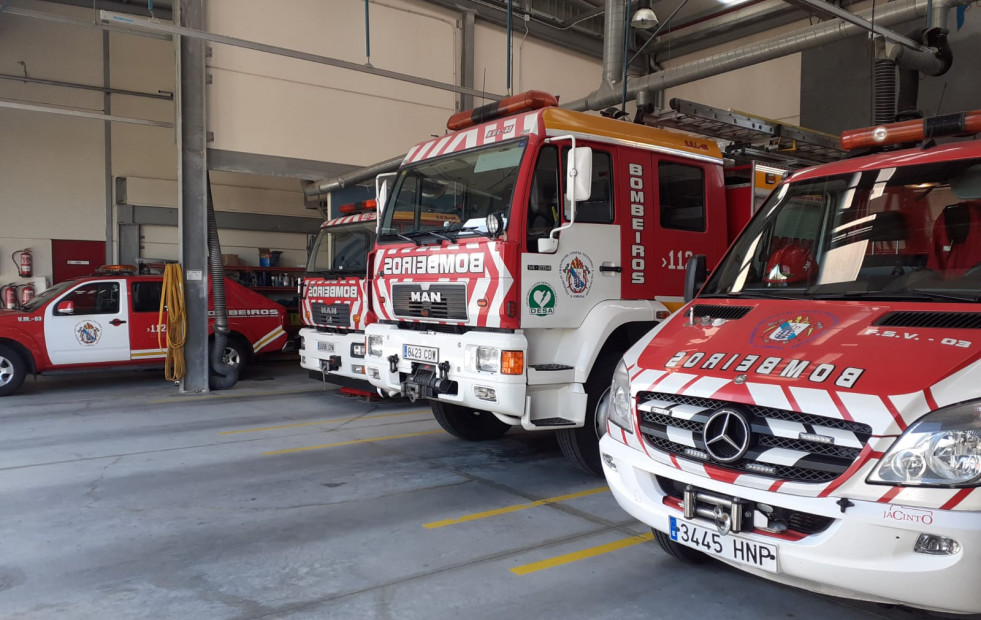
<point>861,555</point>
<point>456,354</point>
<point>331,354</point>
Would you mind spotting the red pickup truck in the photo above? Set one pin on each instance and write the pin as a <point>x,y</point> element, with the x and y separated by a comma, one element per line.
<point>110,322</point>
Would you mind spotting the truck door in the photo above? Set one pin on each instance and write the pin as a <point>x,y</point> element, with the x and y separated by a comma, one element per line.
<point>88,324</point>
<point>559,290</point>
<point>143,329</point>
<point>687,192</point>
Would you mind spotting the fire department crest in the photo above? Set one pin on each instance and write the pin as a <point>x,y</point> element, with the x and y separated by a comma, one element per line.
<point>791,330</point>
<point>88,333</point>
<point>577,274</point>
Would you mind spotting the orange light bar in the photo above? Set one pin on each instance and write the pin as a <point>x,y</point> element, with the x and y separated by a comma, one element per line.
<point>512,362</point>
<point>357,207</point>
<point>962,123</point>
<point>523,102</point>
<point>105,270</point>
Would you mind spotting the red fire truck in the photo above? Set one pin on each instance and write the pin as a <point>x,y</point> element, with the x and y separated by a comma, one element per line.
<point>334,293</point>
<point>564,240</point>
<point>813,416</point>
<point>333,298</point>
<point>110,322</point>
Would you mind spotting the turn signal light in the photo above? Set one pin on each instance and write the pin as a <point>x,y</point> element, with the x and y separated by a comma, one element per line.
<point>512,362</point>
<point>481,303</point>
<point>524,102</point>
<point>918,130</point>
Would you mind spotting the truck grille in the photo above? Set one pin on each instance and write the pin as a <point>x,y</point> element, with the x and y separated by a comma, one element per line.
<point>438,301</point>
<point>783,445</point>
<point>331,315</point>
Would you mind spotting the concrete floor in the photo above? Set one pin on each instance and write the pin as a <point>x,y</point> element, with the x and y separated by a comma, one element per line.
<point>121,498</point>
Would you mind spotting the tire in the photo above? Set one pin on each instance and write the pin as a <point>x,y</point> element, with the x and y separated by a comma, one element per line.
<point>581,445</point>
<point>677,550</point>
<point>13,370</point>
<point>467,423</point>
<point>238,354</point>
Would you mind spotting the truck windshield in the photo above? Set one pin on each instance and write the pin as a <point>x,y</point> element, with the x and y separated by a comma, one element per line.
<point>453,195</point>
<point>910,232</point>
<point>342,250</point>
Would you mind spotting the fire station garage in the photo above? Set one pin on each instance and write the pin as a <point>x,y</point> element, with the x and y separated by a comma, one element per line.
<point>490,309</point>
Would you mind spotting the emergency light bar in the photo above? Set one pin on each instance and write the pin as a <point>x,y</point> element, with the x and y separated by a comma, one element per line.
<point>357,207</point>
<point>523,102</point>
<point>962,123</point>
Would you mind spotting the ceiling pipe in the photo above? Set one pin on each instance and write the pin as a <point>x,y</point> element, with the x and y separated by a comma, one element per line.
<point>322,188</point>
<point>693,36</point>
<point>891,14</point>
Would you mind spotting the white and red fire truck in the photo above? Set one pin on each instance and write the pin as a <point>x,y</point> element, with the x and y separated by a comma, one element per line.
<point>565,241</point>
<point>333,298</point>
<point>110,322</point>
<point>334,294</point>
<point>813,416</point>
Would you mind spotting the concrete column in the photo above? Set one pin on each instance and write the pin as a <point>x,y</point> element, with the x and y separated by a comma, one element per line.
<point>193,182</point>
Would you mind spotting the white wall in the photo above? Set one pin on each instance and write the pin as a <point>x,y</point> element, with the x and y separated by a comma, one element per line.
<point>52,173</point>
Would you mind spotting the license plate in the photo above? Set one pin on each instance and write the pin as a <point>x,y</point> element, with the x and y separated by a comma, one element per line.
<point>430,355</point>
<point>758,555</point>
<point>325,346</point>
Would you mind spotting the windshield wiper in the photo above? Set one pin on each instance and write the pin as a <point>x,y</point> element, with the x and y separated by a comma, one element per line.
<point>411,236</point>
<point>928,294</point>
<point>463,229</point>
<point>758,295</point>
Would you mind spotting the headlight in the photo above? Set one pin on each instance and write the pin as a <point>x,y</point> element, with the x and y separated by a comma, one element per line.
<point>621,409</point>
<point>375,346</point>
<point>488,359</point>
<point>942,449</point>
<point>357,349</point>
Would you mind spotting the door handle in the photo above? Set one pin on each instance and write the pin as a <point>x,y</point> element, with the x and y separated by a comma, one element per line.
<point>116,322</point>
<point>610,269</point>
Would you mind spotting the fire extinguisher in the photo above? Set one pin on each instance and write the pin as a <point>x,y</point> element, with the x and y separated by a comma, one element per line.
<point>26,293</point>
<point>9,296</point>
<point>24,262</point>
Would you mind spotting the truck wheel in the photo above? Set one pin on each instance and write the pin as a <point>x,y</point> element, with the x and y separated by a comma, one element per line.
<point>467,423</point>
<point>13,369</point>
<point>236,354</point>
<point>581,445</point>
<point>677,550</point>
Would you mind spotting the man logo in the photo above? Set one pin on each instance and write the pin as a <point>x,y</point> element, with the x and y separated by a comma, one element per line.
<point>425,297</point>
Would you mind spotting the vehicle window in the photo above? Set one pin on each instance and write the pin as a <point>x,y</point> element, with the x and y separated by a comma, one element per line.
<point>889,233</point>
<point>342,248</point>
<point>598,208</point>
<point>682,196</point>
<point>146,296</point>
<point>543,202</point>
<point>453,194</point>
<point>94,298</point>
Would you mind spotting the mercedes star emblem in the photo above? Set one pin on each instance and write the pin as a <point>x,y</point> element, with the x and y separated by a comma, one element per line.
<point>727,435</point>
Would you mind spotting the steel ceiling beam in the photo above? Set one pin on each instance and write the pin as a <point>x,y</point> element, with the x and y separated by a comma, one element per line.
<point>121,7</point>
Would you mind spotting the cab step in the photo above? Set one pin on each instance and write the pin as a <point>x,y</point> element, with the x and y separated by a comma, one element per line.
<point>553,422</point>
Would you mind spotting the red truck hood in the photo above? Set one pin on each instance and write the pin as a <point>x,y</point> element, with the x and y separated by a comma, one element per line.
<point>849,357</point>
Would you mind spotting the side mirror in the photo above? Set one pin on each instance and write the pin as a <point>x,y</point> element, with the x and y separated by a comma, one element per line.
<point>579,174</point>
<point>548,245</point>
<point>695,276</point>
<point>66,307</point>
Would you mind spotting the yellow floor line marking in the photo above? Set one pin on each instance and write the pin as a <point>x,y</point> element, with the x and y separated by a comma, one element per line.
<point>213,396</point>
<point>581,555</point>
<point>515,508</point>
<point>319,422</point>
<point>352,442</point>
